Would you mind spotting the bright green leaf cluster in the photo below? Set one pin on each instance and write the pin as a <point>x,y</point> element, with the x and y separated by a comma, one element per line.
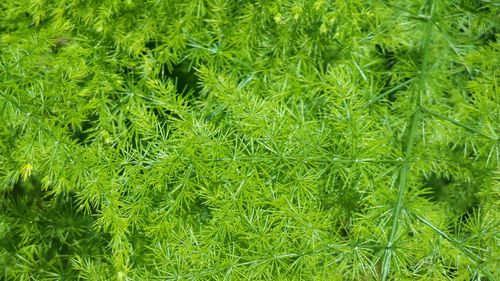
<point>249,140</point>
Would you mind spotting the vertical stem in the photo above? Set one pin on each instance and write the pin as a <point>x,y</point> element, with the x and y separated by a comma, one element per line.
<point>409,143</point>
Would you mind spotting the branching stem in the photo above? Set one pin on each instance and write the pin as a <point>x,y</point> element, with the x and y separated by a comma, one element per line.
<point>409,144</point>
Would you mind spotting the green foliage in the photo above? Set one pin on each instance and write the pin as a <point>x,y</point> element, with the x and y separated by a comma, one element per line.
<point>249,140</point>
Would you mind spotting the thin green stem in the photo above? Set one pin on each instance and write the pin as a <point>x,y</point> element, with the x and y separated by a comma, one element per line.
<point>328,249</point>
<point>386,93</point>
<point>409,144</point>
<point>467,252</point>
<point>459,124</point>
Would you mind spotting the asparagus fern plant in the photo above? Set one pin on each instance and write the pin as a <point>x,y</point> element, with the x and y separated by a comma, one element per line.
<point>249,140</point>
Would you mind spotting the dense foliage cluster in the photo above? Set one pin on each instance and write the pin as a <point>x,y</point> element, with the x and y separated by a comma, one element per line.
<point>249,140</point>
